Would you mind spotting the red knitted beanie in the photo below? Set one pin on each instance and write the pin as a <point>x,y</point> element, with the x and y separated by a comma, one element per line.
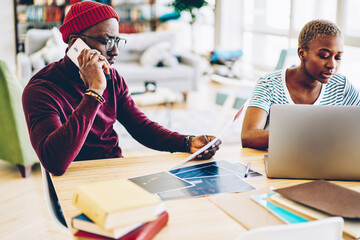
<point>83,15</point>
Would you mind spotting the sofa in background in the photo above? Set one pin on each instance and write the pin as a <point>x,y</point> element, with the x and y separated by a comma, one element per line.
<point>41,48</point>
<point>155,56</point>
<point>149,56</point>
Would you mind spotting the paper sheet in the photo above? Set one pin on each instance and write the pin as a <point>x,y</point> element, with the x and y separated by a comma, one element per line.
<point>219,135</point>
<point>244,210</point>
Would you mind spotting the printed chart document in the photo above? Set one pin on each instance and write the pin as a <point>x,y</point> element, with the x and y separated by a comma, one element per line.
<point>160,182</point>
<point>209,185</point>
<point>198,180</point>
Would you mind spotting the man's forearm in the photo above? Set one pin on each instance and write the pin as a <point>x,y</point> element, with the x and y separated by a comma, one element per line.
<point>58,148</point>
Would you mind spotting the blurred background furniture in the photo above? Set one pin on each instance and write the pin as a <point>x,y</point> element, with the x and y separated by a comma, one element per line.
<point>42,46</point>
<point>165,96</point>
<point>288,57</point>
<point>148,56</point>
<point>154,56</point>
<point>15,146</point>
<point>242,85</point>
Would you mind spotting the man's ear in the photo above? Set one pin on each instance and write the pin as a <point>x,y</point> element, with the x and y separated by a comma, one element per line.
<point>301,54</point>
<point>72,39</point>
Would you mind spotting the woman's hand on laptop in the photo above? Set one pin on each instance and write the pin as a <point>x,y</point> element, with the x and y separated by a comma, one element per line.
<point>196,143</point>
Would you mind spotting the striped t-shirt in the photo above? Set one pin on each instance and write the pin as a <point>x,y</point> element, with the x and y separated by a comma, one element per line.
<point>271,89</point>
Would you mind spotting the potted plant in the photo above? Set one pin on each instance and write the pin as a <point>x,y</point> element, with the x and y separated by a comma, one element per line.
<point>191,6</point>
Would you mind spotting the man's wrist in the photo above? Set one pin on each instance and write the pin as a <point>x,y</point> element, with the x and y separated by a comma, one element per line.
<point>95,95</point>
<point>187,142</point>
<point>97,89</point>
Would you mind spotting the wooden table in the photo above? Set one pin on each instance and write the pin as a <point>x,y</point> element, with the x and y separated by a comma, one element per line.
<point>195,218</point>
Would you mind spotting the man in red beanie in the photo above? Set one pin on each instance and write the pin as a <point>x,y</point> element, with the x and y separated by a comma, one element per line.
<point>70,111</point>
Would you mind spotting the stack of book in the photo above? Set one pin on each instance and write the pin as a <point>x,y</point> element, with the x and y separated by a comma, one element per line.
<point>117,209</point>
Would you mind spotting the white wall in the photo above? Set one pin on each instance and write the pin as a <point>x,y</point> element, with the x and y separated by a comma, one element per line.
<point>7,31</point>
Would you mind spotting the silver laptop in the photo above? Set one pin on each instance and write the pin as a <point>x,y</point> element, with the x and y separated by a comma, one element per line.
<point>314,142</point>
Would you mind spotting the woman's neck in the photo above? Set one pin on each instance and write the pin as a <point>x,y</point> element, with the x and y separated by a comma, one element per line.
<point>300,77</point>
<point>302,88</point>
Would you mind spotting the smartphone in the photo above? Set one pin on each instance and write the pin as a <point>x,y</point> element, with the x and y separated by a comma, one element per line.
<point>76,49</point>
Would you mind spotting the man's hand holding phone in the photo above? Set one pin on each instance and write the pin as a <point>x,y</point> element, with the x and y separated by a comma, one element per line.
<point>91,69</point>
<point>91,65</point>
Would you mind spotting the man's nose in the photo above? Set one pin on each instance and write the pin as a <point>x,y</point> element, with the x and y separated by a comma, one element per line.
<point>114,51</point>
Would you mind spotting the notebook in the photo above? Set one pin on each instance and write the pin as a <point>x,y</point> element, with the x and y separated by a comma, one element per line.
<point>314,142</point>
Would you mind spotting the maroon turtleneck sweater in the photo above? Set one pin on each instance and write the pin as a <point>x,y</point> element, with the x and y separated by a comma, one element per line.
<point>66,125</point>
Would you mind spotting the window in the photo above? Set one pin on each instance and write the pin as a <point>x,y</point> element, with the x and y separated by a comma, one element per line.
<point>306,10</point>
<point>265,16</point>
<point>200,36</point>
<point>352,18</point>
<point>268,26</point>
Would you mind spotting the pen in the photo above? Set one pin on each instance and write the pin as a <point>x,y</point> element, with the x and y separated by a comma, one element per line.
<point>247,170</point>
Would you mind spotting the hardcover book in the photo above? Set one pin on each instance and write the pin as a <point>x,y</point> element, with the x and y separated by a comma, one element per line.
<point>83,223</point>
<point>146,231</point>
<point>115,203</point>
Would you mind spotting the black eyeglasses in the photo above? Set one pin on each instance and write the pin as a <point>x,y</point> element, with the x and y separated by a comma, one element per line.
<point>110,42</point>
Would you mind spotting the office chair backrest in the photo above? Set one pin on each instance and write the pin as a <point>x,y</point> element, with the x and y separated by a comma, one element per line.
<point>52,201</point>
<point>287,58</point>
<point>329,229</point>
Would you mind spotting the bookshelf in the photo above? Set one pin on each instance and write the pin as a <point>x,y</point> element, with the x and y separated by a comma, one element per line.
<point>135,16</point>
<point>41,14</point>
